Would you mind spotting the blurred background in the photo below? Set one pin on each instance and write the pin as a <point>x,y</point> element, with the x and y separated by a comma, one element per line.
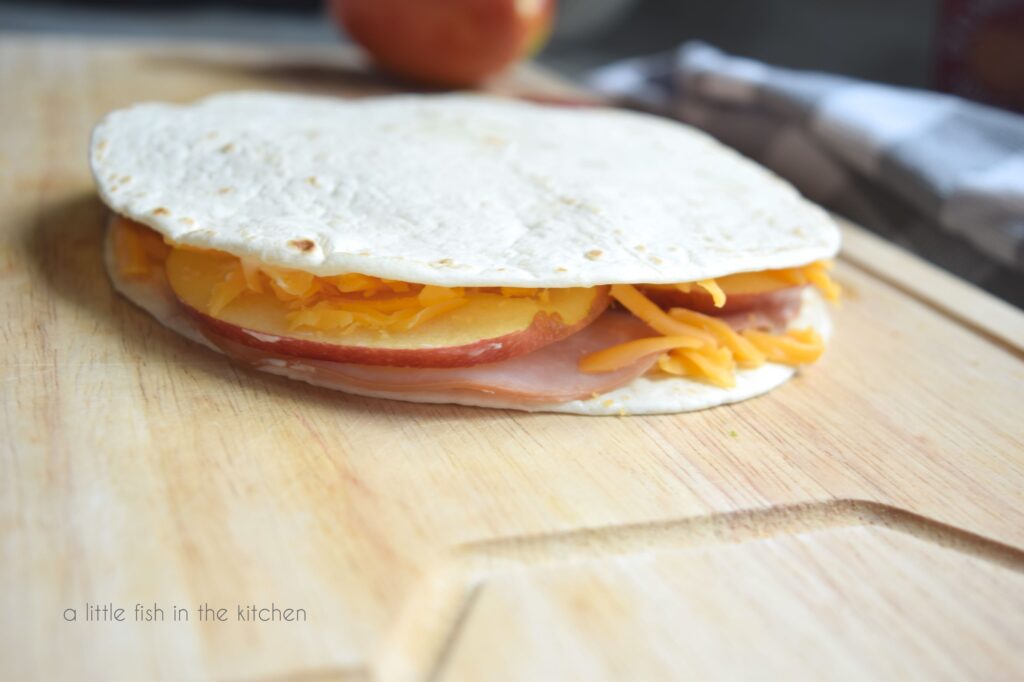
<point>921,43</point>
<point>881,40</point>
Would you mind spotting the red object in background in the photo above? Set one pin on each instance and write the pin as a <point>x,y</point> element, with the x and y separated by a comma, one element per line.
<point>451,43</point>
<point>980,51</point>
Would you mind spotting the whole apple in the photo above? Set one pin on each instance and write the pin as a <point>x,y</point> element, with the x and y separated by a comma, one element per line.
<point>452,43</point>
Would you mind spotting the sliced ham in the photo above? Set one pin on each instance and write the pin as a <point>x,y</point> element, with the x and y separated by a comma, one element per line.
<point>548,375</point>
<point>772,311</point>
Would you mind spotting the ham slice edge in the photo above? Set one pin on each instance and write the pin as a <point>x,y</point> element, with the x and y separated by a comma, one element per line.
<point>547,375</point>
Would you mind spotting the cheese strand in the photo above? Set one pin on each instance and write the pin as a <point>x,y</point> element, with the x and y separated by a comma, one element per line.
<point>625,354</point>
<point>655,318</point>
<point>700,346</point>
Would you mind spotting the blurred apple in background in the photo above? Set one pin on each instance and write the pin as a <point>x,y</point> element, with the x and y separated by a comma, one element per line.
<point>453,43</point>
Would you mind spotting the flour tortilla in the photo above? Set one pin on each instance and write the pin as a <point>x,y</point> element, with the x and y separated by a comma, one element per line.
<point>453,190</point>
<point>644,395</point>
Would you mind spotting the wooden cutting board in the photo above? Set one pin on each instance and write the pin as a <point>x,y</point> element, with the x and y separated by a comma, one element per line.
<point>864,521</point>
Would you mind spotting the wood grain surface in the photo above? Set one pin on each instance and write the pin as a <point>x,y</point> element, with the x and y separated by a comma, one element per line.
<point>864,521</point>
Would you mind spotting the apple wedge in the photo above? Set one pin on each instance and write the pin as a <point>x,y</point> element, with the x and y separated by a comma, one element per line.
<point>489,327</point>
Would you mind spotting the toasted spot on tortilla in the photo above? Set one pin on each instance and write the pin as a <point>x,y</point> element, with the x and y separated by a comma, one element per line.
<point>304,245</point>
<point>160,210</point>
<point>561,269</point>
<point>593,254</point>
<point>227,148</point>
<point>446,262</point>
<point>640,247</point>
<point>656,260</point>
<point>312,181</point>
<point>186,221</point>
<point>225,190</point>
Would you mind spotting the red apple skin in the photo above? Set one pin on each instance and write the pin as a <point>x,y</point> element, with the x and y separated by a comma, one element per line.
<point>448,43</point>
<point>545,329</point>
<point>700,300</point>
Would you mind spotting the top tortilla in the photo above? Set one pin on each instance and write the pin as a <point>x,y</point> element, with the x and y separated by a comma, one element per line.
<point>453,190</point>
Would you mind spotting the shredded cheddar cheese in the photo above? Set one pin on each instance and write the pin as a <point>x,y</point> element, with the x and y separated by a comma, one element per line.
<point>745,352</point>
<point>713,288</point>
<point>796,347</point>
<point>231,287</point>
<point>689,343</point>
<point>721,288</point>
<point>716,365</point>
<point>629,352</point>
<point>656,318</point>
<point>340,303</point>
<point>715,350</point>
<point>817,274</point>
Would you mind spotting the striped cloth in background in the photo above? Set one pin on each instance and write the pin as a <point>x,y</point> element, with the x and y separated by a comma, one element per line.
<point>940,175</point>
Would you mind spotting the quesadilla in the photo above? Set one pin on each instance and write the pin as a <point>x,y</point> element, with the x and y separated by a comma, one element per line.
<point>466,249</point>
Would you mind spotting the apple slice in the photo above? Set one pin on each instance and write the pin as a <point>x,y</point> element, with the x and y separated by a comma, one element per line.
<point>489,327</point>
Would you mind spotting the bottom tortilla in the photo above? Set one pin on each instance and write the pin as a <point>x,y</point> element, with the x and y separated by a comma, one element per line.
<point>644,395</point>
